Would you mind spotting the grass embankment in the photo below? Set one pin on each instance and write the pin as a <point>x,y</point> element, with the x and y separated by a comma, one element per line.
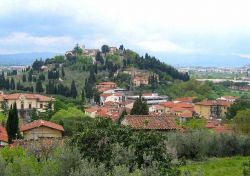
<point>229,166</point>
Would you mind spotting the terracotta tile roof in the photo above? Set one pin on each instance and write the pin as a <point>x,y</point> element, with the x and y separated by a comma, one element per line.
<point>187,114</point>
<point>91,109</point>
<point>168,104</point>
<point>3,134</point>
<point>150,122</point>
<point>39,123</point>
<point>16,96</point>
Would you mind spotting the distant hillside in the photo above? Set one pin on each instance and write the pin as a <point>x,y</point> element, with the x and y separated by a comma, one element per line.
<point>23,58</point>
<point>80,69</point>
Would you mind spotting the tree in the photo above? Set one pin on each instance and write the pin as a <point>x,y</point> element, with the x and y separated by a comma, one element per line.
<point>30,75</point>
<point>124,112</point>
<point>242,121</point>
<point>34,115</point>
<point>73,90</point>
<point>97,97</point>
<point>63,73</point>
<point>39,86</point>
<point>83,96</point>
<point>37,65</point>
<point>140,107</point>
<point>240,104</point>
<point>24,78</point>
<point>49,110</point>
<point>12,125</point>
<point>105,49</point>
<point>41,77</point>
<point>12,84</point>
<point>99,58</point>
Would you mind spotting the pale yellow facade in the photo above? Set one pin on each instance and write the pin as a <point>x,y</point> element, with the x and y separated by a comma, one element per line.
<point>41,132</point>
<point>204,111</point>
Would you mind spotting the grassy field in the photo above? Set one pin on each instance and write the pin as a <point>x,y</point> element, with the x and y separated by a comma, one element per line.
<point>229,166</point>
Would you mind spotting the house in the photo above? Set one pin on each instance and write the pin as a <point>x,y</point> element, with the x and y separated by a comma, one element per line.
<point>113,50</point>
<point>26,102</point>
<point>41,129</point>
<point>103,86</point>
<point>156,109</point>
<point>150,122</point>
<point>111,97</point>
<point>212,108</point>
<point>91,112</point>
<point>3,137</point>
<point>140,80</point>
<point>218,127</point>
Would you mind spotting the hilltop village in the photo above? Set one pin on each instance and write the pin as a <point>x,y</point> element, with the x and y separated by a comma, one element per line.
<point>105,103</point>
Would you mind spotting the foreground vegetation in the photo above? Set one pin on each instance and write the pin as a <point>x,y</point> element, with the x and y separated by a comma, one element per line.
<point>229,166</point>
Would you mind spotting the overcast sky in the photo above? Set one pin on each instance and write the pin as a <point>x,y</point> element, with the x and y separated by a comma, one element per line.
<point>160,27</point>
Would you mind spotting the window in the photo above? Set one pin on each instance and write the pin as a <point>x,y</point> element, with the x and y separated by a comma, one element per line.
<point>29,105</point>
<point>22,106</point>
<point>41,105</point>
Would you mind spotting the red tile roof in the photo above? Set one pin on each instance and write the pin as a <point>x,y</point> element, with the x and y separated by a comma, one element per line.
<point>150,122</point>
<point>16,96</point>
<point>39,123</point>
<point>91,109</point>
<point>3,134</point>
<point>168,104</point>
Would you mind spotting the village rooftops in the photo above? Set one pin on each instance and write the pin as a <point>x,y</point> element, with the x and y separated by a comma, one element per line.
<point>150,122</point>
<point>39,123</point>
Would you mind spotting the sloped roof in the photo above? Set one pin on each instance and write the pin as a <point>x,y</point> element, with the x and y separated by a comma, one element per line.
<point>16,96</point>
<point>3,134</point>
<point>39,123</point>
<point>150,122</point>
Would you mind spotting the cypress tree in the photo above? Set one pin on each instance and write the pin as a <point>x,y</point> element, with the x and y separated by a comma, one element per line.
<point>83,95</point>
<point>12,84</point>
<point>73,90</point>
<point>63,73</point>
<point>30,76</point>
<point>140,107</point>
<point>39,86</point>
<point>24,78</point>
<point>12,125</point>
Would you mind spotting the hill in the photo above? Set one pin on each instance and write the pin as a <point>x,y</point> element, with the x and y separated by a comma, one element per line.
<point>80,69</point>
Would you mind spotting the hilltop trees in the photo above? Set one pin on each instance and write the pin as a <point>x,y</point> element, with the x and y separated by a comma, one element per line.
<point>105,49</point>
<point>12,125</point>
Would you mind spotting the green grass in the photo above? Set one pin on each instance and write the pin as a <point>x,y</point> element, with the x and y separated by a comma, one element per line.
<point>229,166</point>
<point>195,124</point>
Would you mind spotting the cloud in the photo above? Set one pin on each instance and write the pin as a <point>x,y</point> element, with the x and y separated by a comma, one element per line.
<point>25,42</point>
<point>247,56</point>
<point>159,26</point>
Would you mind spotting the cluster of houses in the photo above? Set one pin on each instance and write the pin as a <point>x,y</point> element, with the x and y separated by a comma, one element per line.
<point>115,100</point>
<point>162,116</point>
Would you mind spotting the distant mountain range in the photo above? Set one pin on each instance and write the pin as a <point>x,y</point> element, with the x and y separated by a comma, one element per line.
<point>24,58</point>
